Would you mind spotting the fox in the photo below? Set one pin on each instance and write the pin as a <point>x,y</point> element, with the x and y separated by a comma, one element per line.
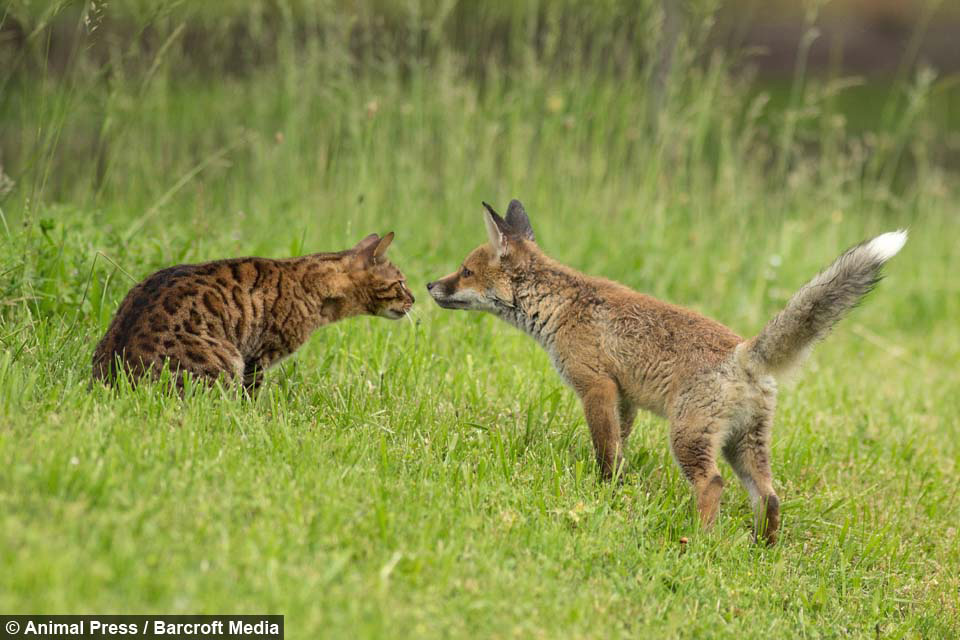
<point>622,351</point>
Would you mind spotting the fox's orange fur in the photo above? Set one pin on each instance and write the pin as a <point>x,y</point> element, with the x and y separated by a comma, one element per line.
<point>622,351</point>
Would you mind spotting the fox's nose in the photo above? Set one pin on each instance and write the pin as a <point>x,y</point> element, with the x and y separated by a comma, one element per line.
<point>431,285</point>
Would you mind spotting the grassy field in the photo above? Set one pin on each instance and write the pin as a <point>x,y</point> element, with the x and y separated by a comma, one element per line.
<point>433,477</point>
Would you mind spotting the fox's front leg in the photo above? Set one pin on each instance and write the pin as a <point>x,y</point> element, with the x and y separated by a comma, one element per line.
<point>600,404</point>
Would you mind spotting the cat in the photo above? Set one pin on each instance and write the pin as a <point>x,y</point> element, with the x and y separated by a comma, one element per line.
<point>231,320</point>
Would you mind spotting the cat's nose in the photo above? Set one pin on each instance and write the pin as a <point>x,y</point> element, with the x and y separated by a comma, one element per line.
<point>412,299</point>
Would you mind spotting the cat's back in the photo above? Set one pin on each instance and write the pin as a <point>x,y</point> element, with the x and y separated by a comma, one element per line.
<point>182,304</point>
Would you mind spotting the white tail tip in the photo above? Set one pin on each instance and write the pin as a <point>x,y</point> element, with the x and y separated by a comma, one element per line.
<point>887,245</point>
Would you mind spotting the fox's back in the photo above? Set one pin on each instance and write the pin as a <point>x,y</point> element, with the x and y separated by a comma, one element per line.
<point>649,346</point>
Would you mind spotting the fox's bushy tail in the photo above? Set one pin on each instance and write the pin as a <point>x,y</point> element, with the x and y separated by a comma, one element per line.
<point>820,304</point>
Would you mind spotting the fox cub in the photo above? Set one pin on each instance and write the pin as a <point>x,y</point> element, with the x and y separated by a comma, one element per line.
<point>621,351</point>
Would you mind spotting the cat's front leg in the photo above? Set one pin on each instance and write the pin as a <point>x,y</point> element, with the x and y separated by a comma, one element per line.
<point>254,368</point>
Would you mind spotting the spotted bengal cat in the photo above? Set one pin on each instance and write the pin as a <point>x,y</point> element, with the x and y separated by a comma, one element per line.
<point>233,319</point>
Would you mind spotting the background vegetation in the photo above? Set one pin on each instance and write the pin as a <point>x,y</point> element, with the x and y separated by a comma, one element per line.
<point>434,477</point>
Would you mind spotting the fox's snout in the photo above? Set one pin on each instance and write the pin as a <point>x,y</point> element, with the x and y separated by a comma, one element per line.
<point>447,293</point>
<point>441,288</point>
<point>436,289</point>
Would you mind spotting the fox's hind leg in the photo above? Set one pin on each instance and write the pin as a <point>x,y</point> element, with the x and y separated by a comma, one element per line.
<point>695,442</point>
<point>748,451</point>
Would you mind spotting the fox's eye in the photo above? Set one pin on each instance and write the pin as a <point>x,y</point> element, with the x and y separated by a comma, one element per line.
<point>464,272</point>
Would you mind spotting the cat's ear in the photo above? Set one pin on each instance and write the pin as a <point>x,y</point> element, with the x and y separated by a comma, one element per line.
<point>381,247</point>
<point>372,248</point>
<point>366,244</point>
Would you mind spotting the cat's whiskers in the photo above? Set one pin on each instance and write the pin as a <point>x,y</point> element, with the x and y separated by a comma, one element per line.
<point>409,315</point>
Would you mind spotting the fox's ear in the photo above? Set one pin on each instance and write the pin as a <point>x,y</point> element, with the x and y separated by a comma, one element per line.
<point>518,222</point>
<point>496,230</point>
<point>381,247</point>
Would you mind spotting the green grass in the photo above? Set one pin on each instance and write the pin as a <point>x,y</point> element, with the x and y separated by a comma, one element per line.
<point>434,478</point>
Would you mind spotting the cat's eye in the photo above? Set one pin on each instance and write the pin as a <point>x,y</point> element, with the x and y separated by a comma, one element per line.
<point>464,272</point>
